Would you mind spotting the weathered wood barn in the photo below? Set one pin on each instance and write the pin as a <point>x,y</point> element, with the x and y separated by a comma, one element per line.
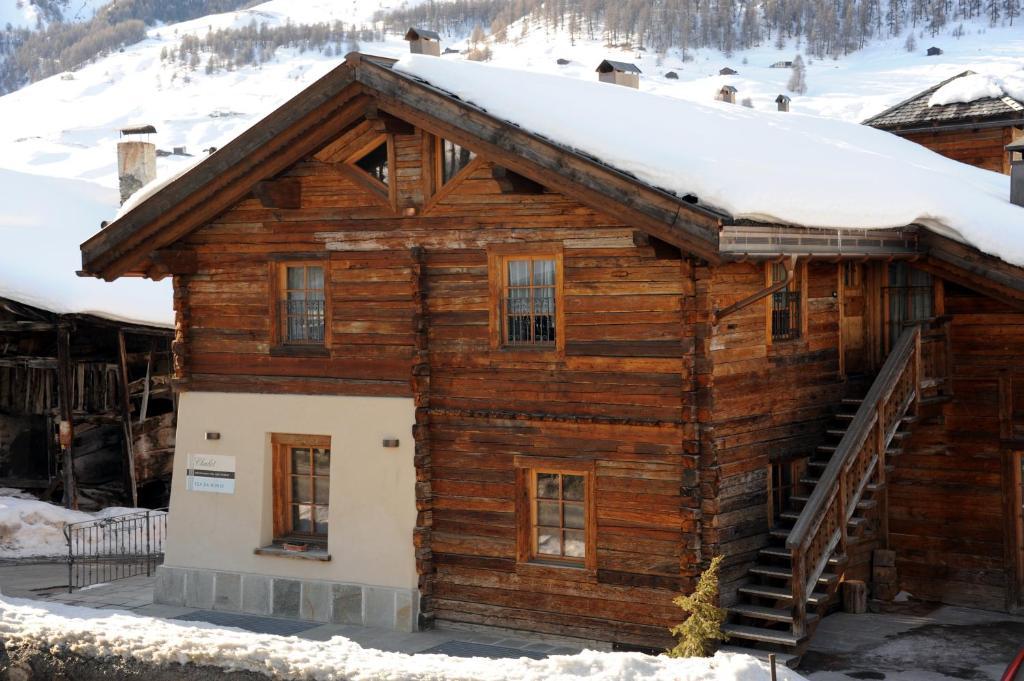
<point>438,362</point>
<point>974,132</point>
<point>90,390</point>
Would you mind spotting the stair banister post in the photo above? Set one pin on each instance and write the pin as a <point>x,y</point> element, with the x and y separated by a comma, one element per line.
<point>797,585</point>
<point>843,499</point>
<point>916,409</point>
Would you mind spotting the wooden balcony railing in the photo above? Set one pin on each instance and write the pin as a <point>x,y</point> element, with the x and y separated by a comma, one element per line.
<point>821,529</point>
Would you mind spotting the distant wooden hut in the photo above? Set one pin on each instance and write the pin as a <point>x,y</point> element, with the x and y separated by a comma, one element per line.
<point>619,73</point>
<point>727,72</point>
<point>934,51</point>
<point>974,132</point>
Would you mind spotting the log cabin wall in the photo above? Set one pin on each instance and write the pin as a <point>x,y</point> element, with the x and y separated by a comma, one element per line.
<point>947,521</point>
<point>409,316</point>
<point>771,402</point>
<point>984,148</point>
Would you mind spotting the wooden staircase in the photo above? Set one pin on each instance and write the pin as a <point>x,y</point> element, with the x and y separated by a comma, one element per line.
<point>796,577</point>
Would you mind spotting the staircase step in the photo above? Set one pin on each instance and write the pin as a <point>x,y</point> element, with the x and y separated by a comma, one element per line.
<point>781,552</point>
<point>866,504</point>
<point>779,532</point>
<point>776,572</point>
<point>796,498</point>
<point>856,523</point>
<point>894,451</point>
<point>780,594</point>
<point>873,487</point>
<point>761,612</point>
<point>835,432</point>
<point>828,449</point>
<point>782,638</point>
<point>817,464</point>
<point>789,515</point>
<point>807,480</point>
<point>785,659</point>
<point>853,400</point>
<point>846,417</point>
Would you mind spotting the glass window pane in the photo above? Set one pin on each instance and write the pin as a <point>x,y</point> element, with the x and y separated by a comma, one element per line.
<point>302,518</point>
<point>320,519</point>
<point>547,485</point>
<point>376,163</point>
<point>322,461</point>
<point>573,487</point>
<point>518,272</point>
<point>323,490</point>
<point>300,460</point>
<point>573,515</point>
<point>544,272</point>
<point>548,513</point>
<point>315,277</point>
<point>302,489</point>
<point>296,277</point>
<point>549,541</point>
<point>575,544</point>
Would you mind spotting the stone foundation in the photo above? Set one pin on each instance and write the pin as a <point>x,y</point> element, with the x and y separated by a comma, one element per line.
<point>314,601</point>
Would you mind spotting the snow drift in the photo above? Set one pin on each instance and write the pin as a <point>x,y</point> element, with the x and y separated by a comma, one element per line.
<point>758,165</point>
<point>93,633</point>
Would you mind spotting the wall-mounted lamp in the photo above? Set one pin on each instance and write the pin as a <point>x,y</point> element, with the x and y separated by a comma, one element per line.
<point>390,442</point>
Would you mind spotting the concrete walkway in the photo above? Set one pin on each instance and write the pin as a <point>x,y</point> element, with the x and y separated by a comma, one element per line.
<point>918,641</point>
<point>48,582</point>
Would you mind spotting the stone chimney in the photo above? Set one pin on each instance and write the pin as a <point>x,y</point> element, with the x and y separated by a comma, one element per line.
<point>619,73</point>
<point>783,102</point>
<point>1016,151</point>
<point>422,41</point>
<point>727,94</point>
<point>136,159</point>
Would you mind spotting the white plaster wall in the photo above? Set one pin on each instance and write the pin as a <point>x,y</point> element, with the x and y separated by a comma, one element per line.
<point>373,500</point>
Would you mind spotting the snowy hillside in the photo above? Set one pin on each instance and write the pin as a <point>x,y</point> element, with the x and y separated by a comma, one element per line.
<point>66,126</point>
<point>25,14</point>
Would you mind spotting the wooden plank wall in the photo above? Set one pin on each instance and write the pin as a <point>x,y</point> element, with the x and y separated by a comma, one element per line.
<point>985,148</point>
<point>770,402</point>
<point>624,395</point>
<point>947,521</point>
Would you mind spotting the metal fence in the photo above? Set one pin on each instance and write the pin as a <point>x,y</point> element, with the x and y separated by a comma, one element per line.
<point>107,549</point>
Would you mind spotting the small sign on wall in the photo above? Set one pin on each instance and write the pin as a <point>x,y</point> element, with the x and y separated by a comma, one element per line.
<point>210,473</point>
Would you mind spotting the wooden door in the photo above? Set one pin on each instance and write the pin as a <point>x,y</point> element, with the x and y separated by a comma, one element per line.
<point>853,305</point>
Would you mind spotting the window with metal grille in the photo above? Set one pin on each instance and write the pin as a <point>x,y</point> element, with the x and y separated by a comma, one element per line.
<point>529,301</point>
<point>303,305</point>
<point>785,306</point>
<point>302,488</point>
<point>909,298</point>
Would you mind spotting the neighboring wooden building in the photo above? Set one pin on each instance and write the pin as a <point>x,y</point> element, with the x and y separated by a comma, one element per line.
<point>970,132</point>
<point>479,377</point>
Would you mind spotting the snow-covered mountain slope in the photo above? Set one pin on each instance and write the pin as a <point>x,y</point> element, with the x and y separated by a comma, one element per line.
<point>67,126</point>
<point>25,14</point>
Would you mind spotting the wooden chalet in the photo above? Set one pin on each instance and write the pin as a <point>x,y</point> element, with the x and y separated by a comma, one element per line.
<point>89,390</point>
<point>970,132</point>
<point>458,372</point>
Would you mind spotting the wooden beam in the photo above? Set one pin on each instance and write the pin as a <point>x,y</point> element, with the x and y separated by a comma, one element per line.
<point>67,431</point>
<point>126,423</point>
<point>385,123</point>
<point>26,327</point>
<point>970,267</point>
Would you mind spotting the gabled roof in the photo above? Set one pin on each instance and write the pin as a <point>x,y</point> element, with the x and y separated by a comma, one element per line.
<point>417,33</point>
<point>609,65</point>
<point>915,113</point>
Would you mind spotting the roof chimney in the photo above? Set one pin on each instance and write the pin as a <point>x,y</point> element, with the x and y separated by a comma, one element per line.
<point>727,94</point>
<point>783,102</point>
<point>422,41</point>
<point>618,73</point>
<point>136,159</point>
<point>1016,151</point>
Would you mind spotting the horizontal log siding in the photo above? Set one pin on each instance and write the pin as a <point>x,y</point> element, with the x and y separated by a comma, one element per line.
<point>622,394</point>
<point>770,401</point>
<point>947,521</point>
<point>985,148</point>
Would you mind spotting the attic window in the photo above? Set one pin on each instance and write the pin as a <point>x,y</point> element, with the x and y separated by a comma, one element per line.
<point>451,159</point>
<point>375,163</point>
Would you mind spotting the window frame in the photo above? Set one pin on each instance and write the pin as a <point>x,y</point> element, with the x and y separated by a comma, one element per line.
<point>279,343</point>
<point>527,468</point>
<point>437,164</point>
<point>798,285</point>
<point>498,256</point>
<point>388,191</point>
<point>282,444</point>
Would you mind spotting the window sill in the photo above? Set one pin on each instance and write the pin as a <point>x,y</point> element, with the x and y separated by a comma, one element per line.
<point>273,550</point>
<point>299,351</point>
<point>563,571</point>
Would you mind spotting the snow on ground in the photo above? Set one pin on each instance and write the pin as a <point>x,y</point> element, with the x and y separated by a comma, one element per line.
<point>836,174</point>
<point>25,14</point>
<point>95,633</point>
<point>42,222</point>
<point>31,528</point>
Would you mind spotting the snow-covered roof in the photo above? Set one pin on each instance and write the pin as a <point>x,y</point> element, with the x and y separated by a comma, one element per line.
<point>766,166</point>
<point>966,97</point>
<point>42,222</point>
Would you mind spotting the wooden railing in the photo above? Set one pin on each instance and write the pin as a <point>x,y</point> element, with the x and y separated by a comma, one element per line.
<point>821,529</point>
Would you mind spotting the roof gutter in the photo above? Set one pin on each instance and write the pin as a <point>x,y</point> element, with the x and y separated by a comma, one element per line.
<point>1005,123</point>
<point>760,295</point>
